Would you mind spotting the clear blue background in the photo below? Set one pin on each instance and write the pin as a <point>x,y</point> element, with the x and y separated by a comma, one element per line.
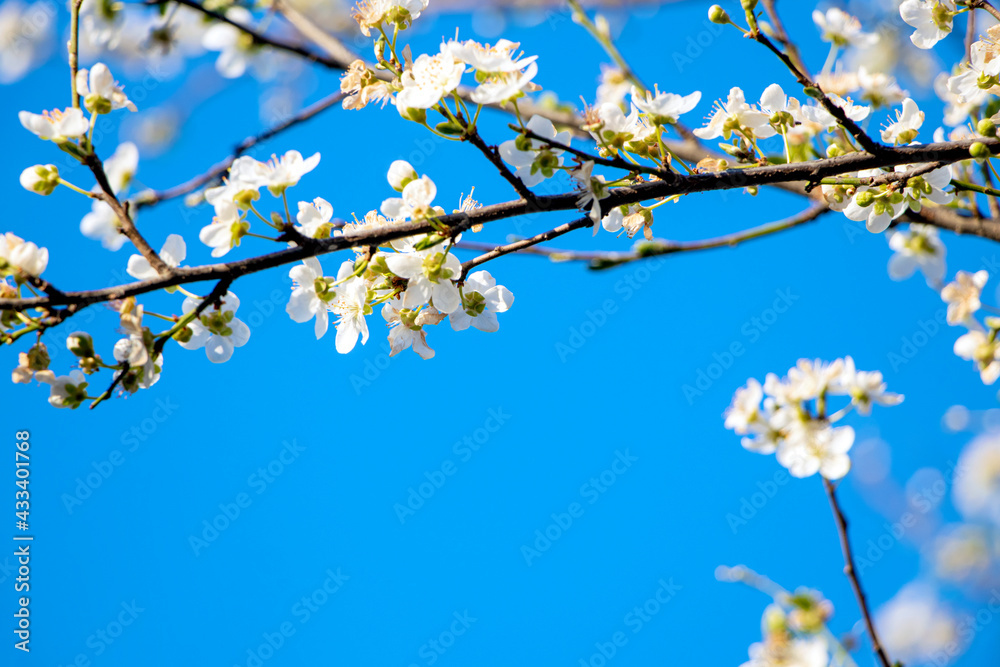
<point>366,445</point>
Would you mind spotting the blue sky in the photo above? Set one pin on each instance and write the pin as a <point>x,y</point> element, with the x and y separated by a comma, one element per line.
<point>301,457</point>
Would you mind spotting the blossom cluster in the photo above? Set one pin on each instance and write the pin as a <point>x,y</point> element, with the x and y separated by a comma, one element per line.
<point>789,416</point>
<point>794,632</point>
<point>417,280</point>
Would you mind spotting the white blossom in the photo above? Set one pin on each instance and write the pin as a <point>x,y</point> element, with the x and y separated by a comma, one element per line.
<point>797,652</point>
<point>877,207</point>
<point>976,489</point>
<point>983,350</point>
<point>962,295</point>
<point>351,306</point>
<point>406,327</point>
<point>864,387</point>
<point>918,247</point>
<point>482,299</point>
<point>429,79</point>
<point>173,252</point>
<point>815,446</point>
<point>222,236</point>
<point>664,108</point>
<point>592,191</point>
<point>502,87</point>
<point>979,75</point>
<point>101,224</point>
<point>55,125</point>
<point>100,91</point>
<point>931,18</point>
<point>66,391</point>
<point>614,85</point>
<point>744,412</point>
<point>429,274</point>
<point>120,168</point>
<point>281,173</point>
<point>312,215</point>
<point>236,49</point>
<point>532,160</point>
<point>25,37</point>
<point>916,627</point>
<point>24,256</point>
<point>904,129</point>
<point>842,29</point>
<point>370,14</point>
<point>736,115</point>
<point>812,113</point>
<point>218,330</point>
<point>416,202</point>
<point>879,88</point>
<point>488,59</point>
<point>400,174</point>
<point>310,295</point>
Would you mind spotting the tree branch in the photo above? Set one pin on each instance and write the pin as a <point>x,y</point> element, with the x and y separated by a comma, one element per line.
<point>849,570</point>
<point>127,225</point>
<point>944,152</point>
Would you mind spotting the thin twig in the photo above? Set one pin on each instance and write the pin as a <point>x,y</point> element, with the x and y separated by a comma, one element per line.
<point>614,162</point>
<point>992,202</point>
<point>859,134</point>
<point>215,296</point>
<point>114,383</point>
<point>153,197</point>
<point>126,224</point>
<point>517,246</point>
<point>493,155</point>
<point>782,36</point>
<point>849,570</point>
<point>970,34</point>
<point>984,4</point>
<point>607,259</point>
<point>74,49</point>
<point>333,46</point>
<point>259,38</point>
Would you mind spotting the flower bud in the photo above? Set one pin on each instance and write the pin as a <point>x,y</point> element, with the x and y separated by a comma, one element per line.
<point>323,231</point>
<point>38,357</point>
<point>833,150</point>
<point>401,173</point>
<point>717,14</point>
<point>450,128</point>
<point>979,150</point>
<point>864,199</point>
<point>80,343</point>
<point>987,128</point>
<point>41,179</point>
<point>97,104</point>
<point>416,115</point>
<point>602,26</point>
<point>749,5</point>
